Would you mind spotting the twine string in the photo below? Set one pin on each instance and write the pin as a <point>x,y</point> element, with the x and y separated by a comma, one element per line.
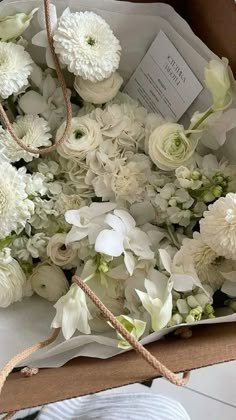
<point>66,97</point>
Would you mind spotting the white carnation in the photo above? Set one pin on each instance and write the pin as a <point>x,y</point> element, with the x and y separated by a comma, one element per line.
<point>15,207</point>
<point>99,92</point>
<point>12,281</point>
<point>85,135</point>
<point>218,227</point>
<point>32,130</point>
<point>87,45</point>
<point>15,68</point>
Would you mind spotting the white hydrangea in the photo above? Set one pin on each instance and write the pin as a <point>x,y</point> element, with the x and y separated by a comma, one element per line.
<point>15,68</point>
<point>15,207</point>
<point>32,130</point>
<point>218,227</point>
<point>37,245</point>
<point>87,45</point>
<point>19,249</point>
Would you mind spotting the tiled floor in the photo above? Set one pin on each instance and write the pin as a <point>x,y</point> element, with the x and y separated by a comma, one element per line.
<point>209,395</point>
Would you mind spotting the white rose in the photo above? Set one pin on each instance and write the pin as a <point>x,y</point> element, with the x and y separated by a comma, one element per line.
<point>98,92</point>
<point>169,147</point>
<point>49,281</point>
<point>13,26</point>
<point>85,135</point>
<point>12,282</point>
<point>59,253</point>
<point>217,81</point>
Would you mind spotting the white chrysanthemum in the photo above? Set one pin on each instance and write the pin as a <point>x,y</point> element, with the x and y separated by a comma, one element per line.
<point>218,227</point>
<point>15,207</point>
<point>15,68</point>
<point>32,130</point>
<point>87,45</point>
<point>206,262</point>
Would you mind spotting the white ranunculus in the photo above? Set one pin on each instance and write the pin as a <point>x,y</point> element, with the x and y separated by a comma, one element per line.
<point>217,81</point>
<point>49,281</point>
<point>169,147</point>
<point>13,26</point>
<point>98,92</point>
<point>85,135</point>
<point>12,280</point>
<point>59,253</point>
<point>158,299</point>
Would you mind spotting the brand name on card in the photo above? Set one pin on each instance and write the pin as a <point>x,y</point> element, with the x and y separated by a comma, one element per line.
<point>174,71</point>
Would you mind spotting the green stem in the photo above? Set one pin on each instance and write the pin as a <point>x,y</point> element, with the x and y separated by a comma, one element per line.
<point>12,107</point>
<point>203,118</point>
<point>172,236</point>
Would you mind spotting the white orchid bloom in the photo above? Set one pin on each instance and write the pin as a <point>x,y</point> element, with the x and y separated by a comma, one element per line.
<point>87,221</point>
<point>72,313</point>
<point>41,39</point>
<point>124,238</point>
<point>183,276</point>
<point>158,299</point>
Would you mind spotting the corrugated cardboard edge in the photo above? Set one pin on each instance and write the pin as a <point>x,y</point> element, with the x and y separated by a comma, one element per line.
<point>210,344</point>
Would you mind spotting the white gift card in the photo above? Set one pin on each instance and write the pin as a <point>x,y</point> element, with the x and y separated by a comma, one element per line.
<point>163,82</point>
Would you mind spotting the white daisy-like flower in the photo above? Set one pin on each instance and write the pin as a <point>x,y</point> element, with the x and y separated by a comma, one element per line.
<point>218,227</point>
<point>208,265</point>
<point>32,130</point>
<point>15,207</point>
<point>15,68</point>
<point>87,45</point>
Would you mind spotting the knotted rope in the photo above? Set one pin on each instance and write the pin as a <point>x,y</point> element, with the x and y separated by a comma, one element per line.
<point>62,83</point>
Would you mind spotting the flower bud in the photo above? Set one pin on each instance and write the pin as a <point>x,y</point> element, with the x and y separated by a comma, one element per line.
<point>13,26</point>
<point>217,81</point>
<point>49,281</point>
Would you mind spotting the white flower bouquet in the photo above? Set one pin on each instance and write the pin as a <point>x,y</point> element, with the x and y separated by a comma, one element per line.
<point>142,208</point>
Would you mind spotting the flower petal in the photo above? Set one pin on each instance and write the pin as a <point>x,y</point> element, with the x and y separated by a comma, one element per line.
<point>126,218</point>
<point>165,259</point>
<point>115,223</point>
<point>33,103</point>
<point>40,39</point>
<point>110,243</point>
<point>76,234</point>
<point>129,261</point>
<point>229,288</point>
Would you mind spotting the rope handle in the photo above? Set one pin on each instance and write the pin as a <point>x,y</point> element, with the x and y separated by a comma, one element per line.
<point>63,86</point>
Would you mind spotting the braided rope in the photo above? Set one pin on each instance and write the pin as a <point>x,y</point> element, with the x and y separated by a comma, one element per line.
<point>18,358</point>
<point>146,355</point>
<point>62,83</point>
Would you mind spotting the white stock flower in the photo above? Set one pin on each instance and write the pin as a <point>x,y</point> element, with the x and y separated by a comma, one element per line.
<point>87,221</point>
<point>15,207</point>
<point>49,281</point>
<point>124,238</point>
<point>37,245</point>
<point>158,299</point>
<point>44,209</point>
<point>59,253</point>
<point>41,39</point>
<point>188,179</point>
<point>208,265</point>
<point>32,130</point>
<point>87,45</point>
<point>12,280</point>
<point>15,68</point>
<point>169,147</point>
<point>11,27</point>
<point>217,81</point>
<point>218,226</point>
<point>72,313</point>
<point>19,249</point>
<point>98,92</point>
<point>85,135</point>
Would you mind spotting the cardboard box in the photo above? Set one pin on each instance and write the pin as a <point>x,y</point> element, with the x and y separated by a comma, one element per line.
<point>215,22</point>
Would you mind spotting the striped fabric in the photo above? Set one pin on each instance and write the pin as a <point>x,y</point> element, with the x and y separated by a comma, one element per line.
<point>112,406</point>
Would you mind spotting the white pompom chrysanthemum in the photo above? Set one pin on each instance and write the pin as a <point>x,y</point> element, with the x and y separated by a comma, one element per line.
<point>87,45</point>
<point>218,227</point>
<point>15,207</point>
<point>32,130</point>
<point>15,68</point>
